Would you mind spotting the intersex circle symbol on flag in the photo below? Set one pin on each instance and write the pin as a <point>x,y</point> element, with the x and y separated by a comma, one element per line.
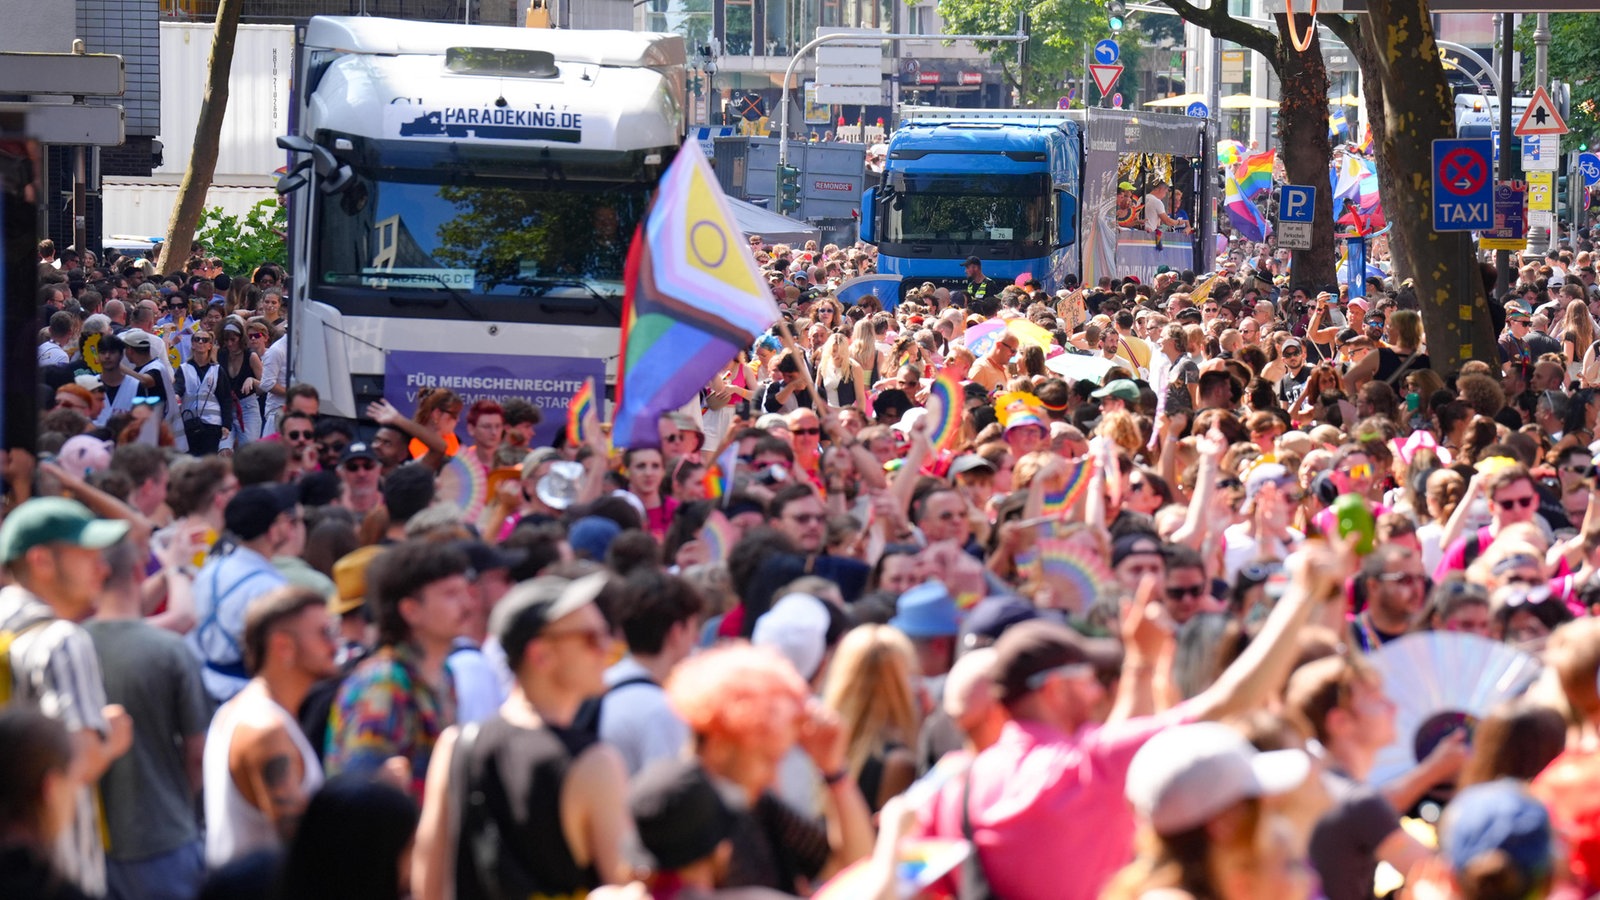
<point>1463,172</point>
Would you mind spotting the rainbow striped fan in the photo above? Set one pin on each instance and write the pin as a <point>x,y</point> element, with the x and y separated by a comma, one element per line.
<point>944,412</point>
<point>1060,502</point>
<point>1075,575</point>
<point>464,482</point>
<point>1440,682</point>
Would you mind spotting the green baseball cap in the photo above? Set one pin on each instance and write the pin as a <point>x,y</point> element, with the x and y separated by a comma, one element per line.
<point>55,520</point>
<point>1120,388</point>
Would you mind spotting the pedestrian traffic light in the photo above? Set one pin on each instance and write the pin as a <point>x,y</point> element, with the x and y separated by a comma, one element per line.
<point>788,189</point>
<point>1116,11</point>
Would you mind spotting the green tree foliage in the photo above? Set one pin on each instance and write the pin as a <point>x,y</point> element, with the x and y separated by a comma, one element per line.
<point>245,242</point>
<point>1058,32</point>
<point>1575,59</point>
<point>503,233</point>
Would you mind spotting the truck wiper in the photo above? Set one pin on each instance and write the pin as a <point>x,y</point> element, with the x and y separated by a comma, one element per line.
<point>539,285</point>
<point>422,276</point>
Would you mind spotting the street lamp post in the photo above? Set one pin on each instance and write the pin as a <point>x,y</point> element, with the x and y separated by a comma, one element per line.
<point>788,72</point>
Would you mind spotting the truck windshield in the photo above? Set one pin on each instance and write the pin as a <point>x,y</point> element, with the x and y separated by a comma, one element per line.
<point>967,209</point>
<point>487,236</point>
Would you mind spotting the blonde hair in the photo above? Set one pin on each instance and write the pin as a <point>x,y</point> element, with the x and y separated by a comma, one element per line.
<point>864,344</point>
<point>869,687</point>
<point>834,358</point>
<point>1122,427</point>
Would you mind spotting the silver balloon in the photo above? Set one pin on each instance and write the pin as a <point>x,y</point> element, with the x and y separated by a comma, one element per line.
<point>559,486</point>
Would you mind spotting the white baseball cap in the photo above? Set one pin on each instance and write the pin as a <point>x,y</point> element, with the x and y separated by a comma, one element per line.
<point>1186,775</point>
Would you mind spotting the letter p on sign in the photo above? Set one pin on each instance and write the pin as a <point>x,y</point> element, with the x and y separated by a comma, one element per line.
<point>1297,203</point>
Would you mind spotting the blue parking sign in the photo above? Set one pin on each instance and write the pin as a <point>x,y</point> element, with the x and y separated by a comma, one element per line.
<point>1297,203</point>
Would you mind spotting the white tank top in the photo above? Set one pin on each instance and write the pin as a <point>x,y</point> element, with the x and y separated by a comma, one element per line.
<point>234,827</point>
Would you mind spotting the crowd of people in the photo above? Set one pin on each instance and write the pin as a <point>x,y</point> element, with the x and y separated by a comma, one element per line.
<point>976,591</point>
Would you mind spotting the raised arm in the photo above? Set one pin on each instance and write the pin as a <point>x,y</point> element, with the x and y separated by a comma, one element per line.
<point>381,412</point>
<point>1316,573</point>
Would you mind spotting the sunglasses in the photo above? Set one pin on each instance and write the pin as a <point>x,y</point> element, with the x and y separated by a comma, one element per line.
<point>296,435</point>
<point>805,431</point>
<point>360,465</point>
<point>146,401</point>
<point>1402,578</point>
<point>1178,593</point>
<point>1516,503</point>
<point>1292,351</point>
<point>201,340</point>
<point>595,638</point>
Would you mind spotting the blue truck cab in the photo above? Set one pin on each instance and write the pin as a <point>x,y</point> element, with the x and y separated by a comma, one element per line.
<point>1002,185</point>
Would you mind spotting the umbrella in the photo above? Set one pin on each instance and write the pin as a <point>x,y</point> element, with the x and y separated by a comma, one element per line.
<point>1029,333</point>
<point>1181,101</point>
<point>885,287</point>
<point>1077,366</point>
<point>1247,101</point>
<point>980,338</point>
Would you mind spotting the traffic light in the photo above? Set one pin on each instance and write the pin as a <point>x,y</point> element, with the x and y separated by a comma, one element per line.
<point>1116,11</point>
<point>788,189</point>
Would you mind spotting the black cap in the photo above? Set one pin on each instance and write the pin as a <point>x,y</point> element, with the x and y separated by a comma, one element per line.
<point>1139,542</point>
<point>253,510</point>
<point>973,261</point>
<point>358,450</point>
<point>1032,648</point>
<point>680,813</point>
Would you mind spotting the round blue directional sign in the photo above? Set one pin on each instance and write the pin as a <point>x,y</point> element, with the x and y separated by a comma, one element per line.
<point>1107,52</point>
<point>1589,165</point>
<point>1198,110</point>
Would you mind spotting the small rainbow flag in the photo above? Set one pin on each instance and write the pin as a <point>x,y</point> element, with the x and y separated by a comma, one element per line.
<point>718,536</point>
<point>1255,174</point>
<point>1242,212</point>
<point>923,861</point>
<point>1060,503</point>
<point>719,475</point>
<point>579,409</point>
<point>944,412</point>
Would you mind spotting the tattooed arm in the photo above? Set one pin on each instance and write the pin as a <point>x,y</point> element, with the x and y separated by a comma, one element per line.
<point>272,775</point>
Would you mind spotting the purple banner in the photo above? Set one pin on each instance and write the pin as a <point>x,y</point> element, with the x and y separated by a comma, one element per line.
<point>547,382</point>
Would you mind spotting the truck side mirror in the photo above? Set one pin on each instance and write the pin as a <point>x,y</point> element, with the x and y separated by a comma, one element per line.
<point>1066,219</point>
<point>869,211</point>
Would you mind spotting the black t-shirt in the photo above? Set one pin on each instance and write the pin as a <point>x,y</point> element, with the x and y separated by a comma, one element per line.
<point>1344,843</point>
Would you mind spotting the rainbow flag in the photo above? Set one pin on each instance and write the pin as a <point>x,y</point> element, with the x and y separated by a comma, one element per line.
<point>579,410</point>
<point>719,475</point>
<point>718,535</point>
<point>694,297</point>
<point>1255,174</point>
<point>1243,214</point>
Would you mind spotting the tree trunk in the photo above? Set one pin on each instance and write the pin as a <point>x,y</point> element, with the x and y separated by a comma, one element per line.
<point>1418,111</point>
<point>1303,135</point>
<point>207,133</point>
<point>1359,38</point>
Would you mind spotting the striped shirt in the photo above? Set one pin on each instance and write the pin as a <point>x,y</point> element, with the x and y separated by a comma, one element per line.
<point>55,670</point>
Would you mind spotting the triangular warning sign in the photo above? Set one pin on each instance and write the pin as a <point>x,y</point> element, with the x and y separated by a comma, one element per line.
<point>1541,116</point>
<point>1105,76</point>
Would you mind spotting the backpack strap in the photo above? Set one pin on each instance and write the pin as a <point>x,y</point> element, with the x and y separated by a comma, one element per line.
<point>1472,548</point>
<point>974,880</point>
<point>587,717</point>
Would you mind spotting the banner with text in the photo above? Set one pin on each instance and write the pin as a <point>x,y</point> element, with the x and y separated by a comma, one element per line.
<point>547,382</point>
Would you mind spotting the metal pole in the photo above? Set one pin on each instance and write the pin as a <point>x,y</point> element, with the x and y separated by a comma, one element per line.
<point>1214,83</point>
<point>1508,35</point>
<point>80,199</point>
<point>1539,238</point>
<point>788,71</point>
